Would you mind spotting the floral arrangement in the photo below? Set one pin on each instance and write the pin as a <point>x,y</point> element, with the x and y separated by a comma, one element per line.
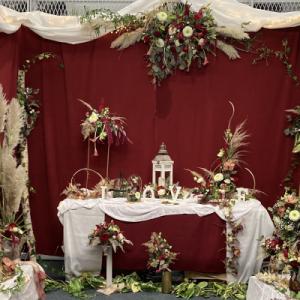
<point>160,253</point>
<point>220,183</point>
<point>176,35</point>
<point>108,234</point>
<point>134,188</point>
<point>100,125</point>
<point>284,246</point>
<point>12,233</point>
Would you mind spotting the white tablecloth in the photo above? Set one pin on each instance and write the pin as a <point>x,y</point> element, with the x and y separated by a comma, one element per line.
<point>80,217</point>
<point>29,291</point>
<point>257,290</point>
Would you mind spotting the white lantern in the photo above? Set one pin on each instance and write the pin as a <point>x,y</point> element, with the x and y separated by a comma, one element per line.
<point>162,168</point>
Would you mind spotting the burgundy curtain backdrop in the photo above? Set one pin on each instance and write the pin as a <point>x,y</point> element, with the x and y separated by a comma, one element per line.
<point>189,112</point>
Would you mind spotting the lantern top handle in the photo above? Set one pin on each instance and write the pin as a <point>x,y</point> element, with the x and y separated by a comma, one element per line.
<point>162,154</point>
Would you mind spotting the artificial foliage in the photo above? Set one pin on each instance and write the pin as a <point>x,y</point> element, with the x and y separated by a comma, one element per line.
<point>132,283</point>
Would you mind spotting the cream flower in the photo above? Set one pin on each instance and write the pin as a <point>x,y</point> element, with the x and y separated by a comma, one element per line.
<point>172,30</point>
<point>200,180</point>
<point>201,43</point>
<point>177,43</point>
<point>187,31</point>
<point>294,215</point>
<point>162,16</point>
<point>227,181</point>
<point>218,177</point>
<point>137,195</point>
<point>161,192</point>
<point>160,43</point>
<point>221,153</point>
<point>93,117</point>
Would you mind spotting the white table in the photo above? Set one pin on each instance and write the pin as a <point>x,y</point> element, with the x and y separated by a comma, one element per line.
<point>29,291</point>
<point>258,290</point>
<point>80,216</point>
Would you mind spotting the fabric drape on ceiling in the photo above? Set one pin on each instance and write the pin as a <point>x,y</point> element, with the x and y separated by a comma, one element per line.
<point>189,112</point>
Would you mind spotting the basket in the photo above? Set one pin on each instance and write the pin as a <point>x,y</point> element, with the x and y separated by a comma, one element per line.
<point>76,191</point>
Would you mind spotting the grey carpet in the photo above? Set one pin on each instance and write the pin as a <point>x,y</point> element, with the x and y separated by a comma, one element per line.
<point>60,295</point>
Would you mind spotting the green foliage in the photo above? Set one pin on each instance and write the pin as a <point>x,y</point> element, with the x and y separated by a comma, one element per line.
<point>77,285</point>
<point>266,53</point>
<point>189,289</point>
<point>132,283</point>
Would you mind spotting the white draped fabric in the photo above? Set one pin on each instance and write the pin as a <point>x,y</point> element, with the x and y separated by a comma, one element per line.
<point>79,218</point>
<point>258,290</point>
<point>67,29</point>
<point>29,292</point>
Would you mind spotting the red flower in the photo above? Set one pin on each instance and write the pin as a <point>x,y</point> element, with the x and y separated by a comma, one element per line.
<point>157,34</point>
<point>286,253</point>
<point>198,15</point>
<point>185,49</point>
<point>146,39</point>
<point>294,264</point>
<point>104,237</point>
<point>186,10</point>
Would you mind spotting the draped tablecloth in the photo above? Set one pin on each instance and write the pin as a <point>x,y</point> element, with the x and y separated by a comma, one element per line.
<point>30,291</point>
<point>258,290</point>
<point>80,217</point>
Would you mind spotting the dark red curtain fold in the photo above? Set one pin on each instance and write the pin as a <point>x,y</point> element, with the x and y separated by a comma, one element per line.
<point>189,112</point>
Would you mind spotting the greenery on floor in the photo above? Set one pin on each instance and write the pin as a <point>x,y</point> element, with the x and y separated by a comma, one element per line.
<point>132,283</point>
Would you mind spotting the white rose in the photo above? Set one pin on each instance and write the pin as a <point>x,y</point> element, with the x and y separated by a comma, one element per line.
<point>162,16</point>
<point>137,195</point>
<point>160,43</point>
<point>227,181</point>
<point>187,31</point>
<point>93,117</point>
<point>294,215</point>
<point>218,177</point>
<point>177,43</point>
<point>15,229</point>
<point>161,192</point>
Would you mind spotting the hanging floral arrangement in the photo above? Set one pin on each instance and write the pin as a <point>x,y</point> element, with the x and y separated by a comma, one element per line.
<point>177,36</point>
<point>101,126</point>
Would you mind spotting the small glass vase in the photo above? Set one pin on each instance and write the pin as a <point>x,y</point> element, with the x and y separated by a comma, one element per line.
<point>294,283</point>
<point>10,250</point>
<point>166,285</point>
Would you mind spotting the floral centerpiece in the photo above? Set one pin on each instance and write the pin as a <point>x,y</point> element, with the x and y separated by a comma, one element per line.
<point>160,253</point>
<point>108,234</point>
<point>101,125</point>
<point>220,183</point>
<point>135,188</point>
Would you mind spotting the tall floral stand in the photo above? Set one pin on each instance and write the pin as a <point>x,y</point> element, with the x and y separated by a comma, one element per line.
<point>110,287</point>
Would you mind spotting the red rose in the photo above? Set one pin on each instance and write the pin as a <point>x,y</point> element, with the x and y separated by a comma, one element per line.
<point>157,34</point>
<point>285,253</point>
<point>104,237</point>
<point>180,36</point>
<point>185,49</point>
<point>294,264</point>
<point>146,39</point>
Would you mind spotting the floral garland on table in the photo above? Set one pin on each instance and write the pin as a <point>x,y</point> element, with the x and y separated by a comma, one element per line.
<point>218,187</point>
<point>279,282</point>
<point>8,270</point>
<point>160,253</point>
<point>176,35</point>
<point>108,234</point>
<point>12,233</point>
